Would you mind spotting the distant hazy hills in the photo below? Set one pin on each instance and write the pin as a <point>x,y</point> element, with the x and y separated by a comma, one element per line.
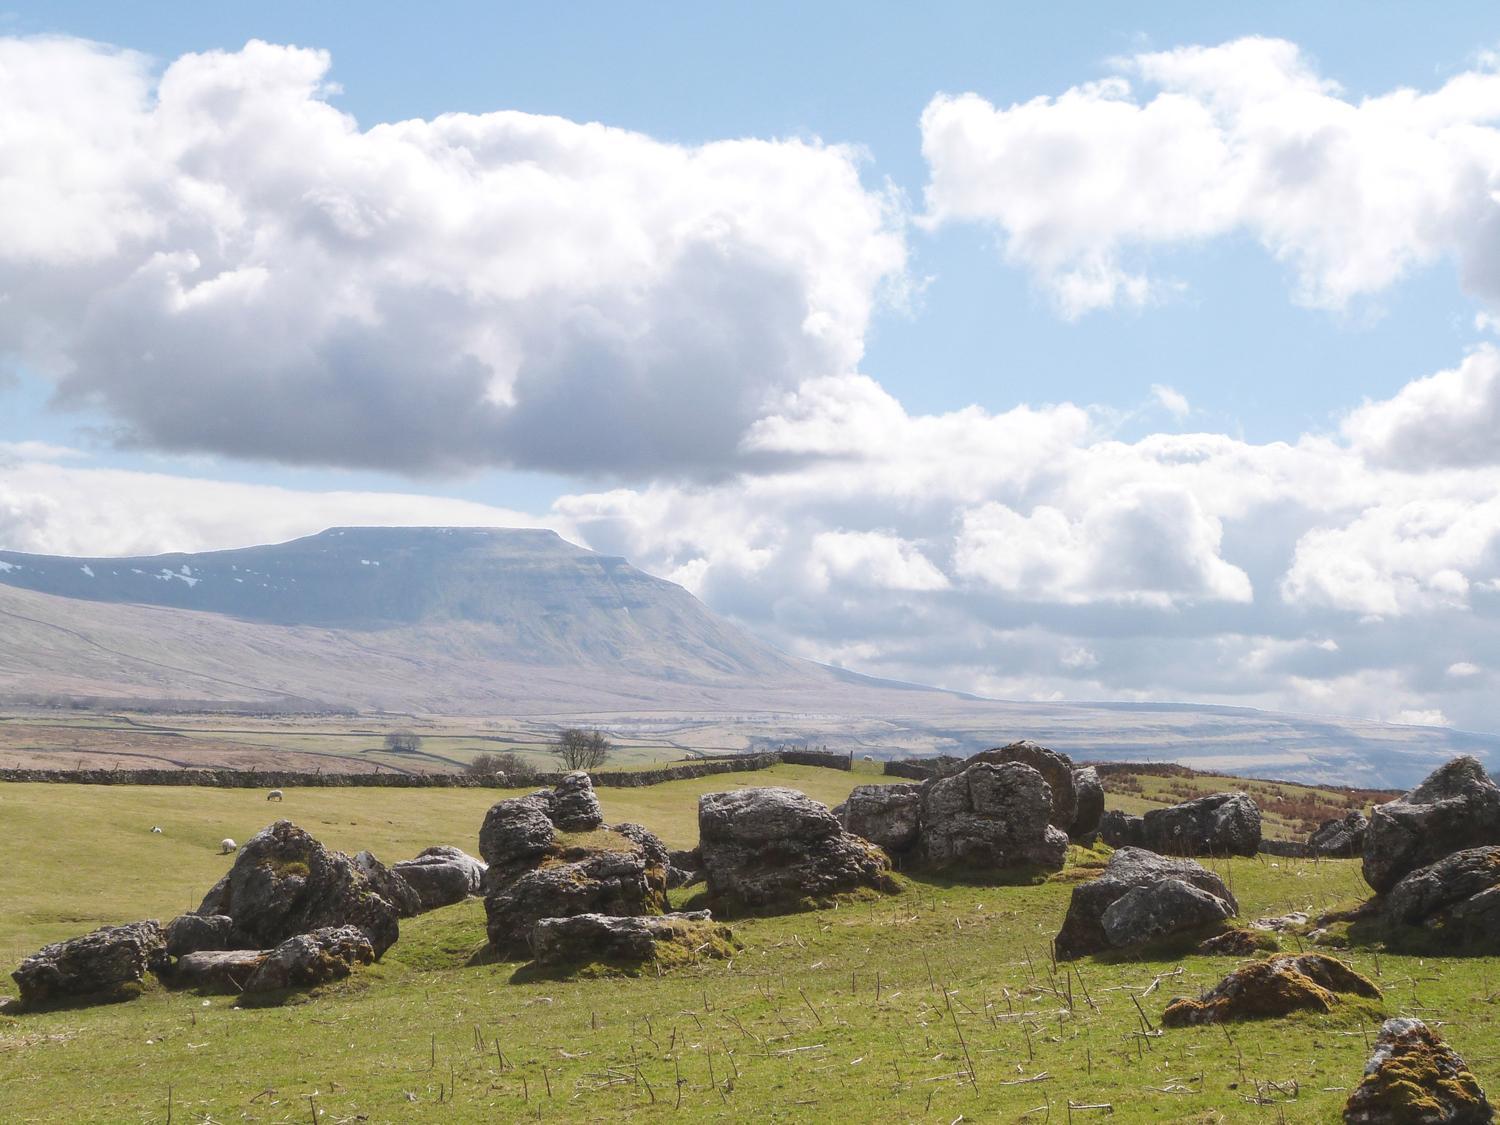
<point>519,622</point>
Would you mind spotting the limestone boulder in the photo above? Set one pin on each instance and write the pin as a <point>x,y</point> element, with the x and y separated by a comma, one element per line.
<point>441,876</point>
<point>1277,986</point>
<point>1219,824</point>
<point>1055,767</point>
<point>216,970</point>
<point>312,959</point>
<point>630,941</point>
<point>887,815</point>
<point>1089,793</point>
<point>574,807</point>
<point>1134,869</point>
<point>391,887</point>
<point>517,830</point>
<point>1455,808</point>
<point>1341,838</point>
<point>1122,830</point>
<point>1414,1078</point>
<point>771,849</point>
<point>103,964</point>
<point>285,883</point>
<point>616,880</point>
<point>194,933</point>
<point>1460,892</point>
<point>991,817</point>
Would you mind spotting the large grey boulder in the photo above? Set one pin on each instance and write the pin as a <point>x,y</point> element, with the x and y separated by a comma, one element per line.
<point>312,959</point>
<point>888,815</point>
<point>575,808</point>
<point>1089,792</point>
<point>1164,907</point>
<point>1456,807</point>
<point>991,818</point>
<point>574,881</point>
<point>516,830</point>
<point>1122,830</point>
<point>777,849</point>
<point>1219,824</point>
<point>628,941</point>
<point>656,851</point>
<point>1055,767</point>
<point>441,876</point>
<point>391,887</point>
<point>285,883</point>
<point>194,933</point>
<point>1342,838</point>
<point>102,964</point>
<point>216,970</point>
<point>1414,1078</point>
<point>1461,892</point>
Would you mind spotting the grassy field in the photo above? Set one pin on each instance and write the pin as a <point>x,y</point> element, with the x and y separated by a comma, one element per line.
<point>932,1005</point>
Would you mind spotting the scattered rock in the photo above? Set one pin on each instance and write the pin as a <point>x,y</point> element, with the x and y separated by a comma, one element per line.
<point>1089,792</point>
<point>888,815</point>
<point>1460,892</point>
<point>285,883</point>
<point>1457,807</point>
<point>1281,922</point>
<point>1275,987</point>
<point>1238,943</point>
<point>1219,824</point>
<point>1161,909</point>
<point>441,876</point>
<point>575,808</point>
<point>216,970</point>
<point>1414,1078</point>
<point>311,959</point>
<point>991,818</point>
<point>665,939</point>
<point>1056,769</point>
<point>193,933</point>
<point>104,964</point>
<point>516,830</point>
<point>1122,830</point>
<point>684,867</point>
<point>394,889</point>
<point>588,880</point>
<point>1083,930</point>
<point>657,853</point>
<point>1343,838</point>
<point>776,849</point>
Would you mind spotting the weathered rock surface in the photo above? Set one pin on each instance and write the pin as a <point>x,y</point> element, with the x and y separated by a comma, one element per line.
<point>516,830</point>
<point>1122,830</point>
<point>1414,1078</point>
<point>193,933</point>
<point>1089,793</point>
<point>394,889</point>
<point>1219,824</point>
<point>629,941</point>
<point>684,867</point>
<point>1055,767</point>
<point>311,959</point>
<point>589,880</point>
<point>1128,870</point>
<point>657,853</point>
<point>887,815</point>
<point>1238,943</point>
<point>1460,892</point>
<point>991,818</point>
<point>1160,909</point>
<point>441,876</point>
<point>1341,838</point>
<point>216,970</point>
<point>1457,807</point>
<point>285,883</point>
<point>575,808</point>
<point>1275,987</point>
<point>776,849</point>
<point>99,964</point>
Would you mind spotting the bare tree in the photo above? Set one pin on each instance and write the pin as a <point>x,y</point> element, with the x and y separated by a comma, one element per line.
<point>403,742</point>
<point>515,769</point>
<point>582,749</point>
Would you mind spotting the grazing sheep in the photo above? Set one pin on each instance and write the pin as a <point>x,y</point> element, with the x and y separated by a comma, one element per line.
<point>227,845</point>
<point>156,830</point>
<point>274,795</point>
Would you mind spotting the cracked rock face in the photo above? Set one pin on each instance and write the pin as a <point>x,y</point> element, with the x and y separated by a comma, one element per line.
<point>1162,904</point>
<point>98,964</point>
<point>1055,767</point>
<point>628,941</point>
<point>776,849</point>
<point>312,959</point>
<point>1455,808</point>
<point>1341,838</point>
<point>1414,1077</point>
<point>991,817</point>
<point>441,876</point>
<point>1460,892</point>
<point>887,815</point>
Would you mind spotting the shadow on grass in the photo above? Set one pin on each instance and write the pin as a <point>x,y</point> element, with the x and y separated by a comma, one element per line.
<point>17,1007</point>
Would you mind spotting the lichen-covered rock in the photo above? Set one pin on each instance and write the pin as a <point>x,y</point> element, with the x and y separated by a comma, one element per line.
<point>684,867</point>
<point>1278,986</point>
<point>394,889</point>
<point>1055,767</point>
<point>1219,824</point>
<point>312,959</point>
<point>776,849</point>
<point>285,883</point>
<point>1238,943</point>
<point>1460,892</point>
<point>1456,807</point>
<point>441,875</point>
<point>1342,838</point>
<point>1414,1078</point>
<point>516,830</point>
<point>1122,830</point>
<point>1130,869</point>
<point>991,818</point>
<point>630,942</point>
<point>105,963</point>
<point>1159,910</point>
<point>1089,793</point>
<point>888,815</point>
<point>656,851</point>
<point>194,933</point>
<point>575,808</point>
<point>215,970</point>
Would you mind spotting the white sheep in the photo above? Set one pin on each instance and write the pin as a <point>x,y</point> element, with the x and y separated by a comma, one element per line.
<point>156,830</point>
<point>227,845</point>
<point>275,795</point>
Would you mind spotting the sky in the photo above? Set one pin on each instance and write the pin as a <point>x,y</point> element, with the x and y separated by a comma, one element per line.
<point>1068,353</point>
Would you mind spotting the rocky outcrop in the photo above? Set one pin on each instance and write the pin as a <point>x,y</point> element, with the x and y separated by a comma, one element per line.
<point>1460,893</point>
<point>657,853</point>
<point>1089,793</point>
<point>311,959</point>
<point>574,807</point>
<point>775,849</point>
<point>105,964</point>
<point>1343,838</point>
<point>1414,1078</point>
<point>1457,807</point>
<point>285,883</point>
<point>518,830</point>
<point>684,867</point>
<point>1122,830</point>
<point>1275,987</point>
<point>664,940</point>
<point>218,970</point>
<point>394,889</point>
<point>887,815</point>
<point>193,933</point>
<point>1056,769</point>
<point>991,818</point>
<point>1219,824</point>
<point>1165,907</point>
<point>441,876</point>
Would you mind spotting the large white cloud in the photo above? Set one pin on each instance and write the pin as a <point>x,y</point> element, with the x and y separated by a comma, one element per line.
<point>1447,420</point>
<point>222,261</point>
<point>1183,145</point>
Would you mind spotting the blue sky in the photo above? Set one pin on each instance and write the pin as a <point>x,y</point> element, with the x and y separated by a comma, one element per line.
<point>947,473</point>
